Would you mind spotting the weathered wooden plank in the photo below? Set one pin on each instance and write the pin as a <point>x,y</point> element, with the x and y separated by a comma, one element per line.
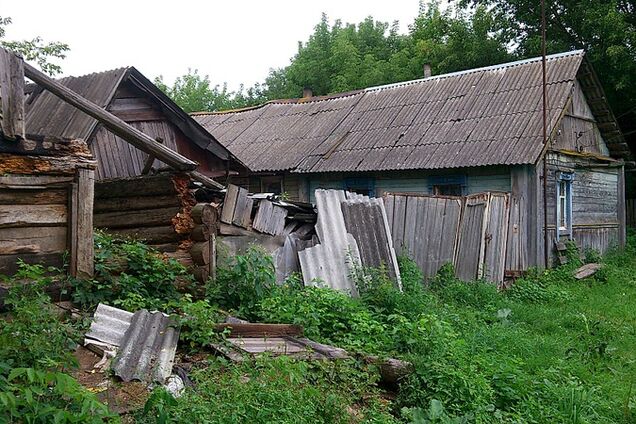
<point>114,204</point>
<point>29,182</point>
<point>155,185</point>
<point>11,95</point>
<point>140,218</point>
<point>84,213</point>
<point>27,215</point>
<point>229,203</point>
<point>9,263</point>
<point>240,207</point>
<point>496,237</point>
<point>33,197</point>
<point>399,216</point>
<point>152,235</point>
<point>622,217</point>
<point>260,330</point>
<point>33,240</point>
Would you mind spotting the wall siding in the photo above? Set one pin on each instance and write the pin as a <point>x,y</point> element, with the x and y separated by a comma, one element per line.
<point>595,201</point>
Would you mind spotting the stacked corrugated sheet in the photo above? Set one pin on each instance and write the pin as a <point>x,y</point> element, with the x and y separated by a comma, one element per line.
<point>145,342</point>
<point>353,230</point>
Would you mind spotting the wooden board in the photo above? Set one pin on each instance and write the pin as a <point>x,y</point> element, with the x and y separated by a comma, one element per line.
<point>260,330</point>
<point>33,240</point>
<point>11,95</point>
<point>52,196</point>
<point>27,215</point>
<point>229,203</point>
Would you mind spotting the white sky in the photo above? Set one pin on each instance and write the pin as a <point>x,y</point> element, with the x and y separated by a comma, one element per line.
<point>237,41</point>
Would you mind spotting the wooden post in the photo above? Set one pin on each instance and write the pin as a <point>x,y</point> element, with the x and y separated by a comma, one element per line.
<point>622,221</point>
<point>150,160</point>
<point>11,95</point>
<point>81,225</point>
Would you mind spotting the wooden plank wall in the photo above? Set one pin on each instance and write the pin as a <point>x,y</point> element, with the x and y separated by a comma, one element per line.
<point>471,232</point>
<point>44,216</point>
<point>597,201</point>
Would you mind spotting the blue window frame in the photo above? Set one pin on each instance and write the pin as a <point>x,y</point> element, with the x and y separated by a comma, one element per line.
<point>564,204</point>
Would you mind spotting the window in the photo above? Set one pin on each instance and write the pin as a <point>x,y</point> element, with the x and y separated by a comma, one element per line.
<point>272,184</point>
<point>360,185</point>
<point>564,204</point>
<point>447,185</point>
<point>447,189</point>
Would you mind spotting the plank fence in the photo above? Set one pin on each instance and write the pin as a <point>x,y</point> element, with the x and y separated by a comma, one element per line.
<point>471,232</point>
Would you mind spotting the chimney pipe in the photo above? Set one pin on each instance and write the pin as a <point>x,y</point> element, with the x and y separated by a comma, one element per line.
<point>307,92</point>
<point>427,70</point>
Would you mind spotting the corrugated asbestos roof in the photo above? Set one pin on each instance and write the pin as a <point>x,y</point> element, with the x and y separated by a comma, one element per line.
<point>485,116</point>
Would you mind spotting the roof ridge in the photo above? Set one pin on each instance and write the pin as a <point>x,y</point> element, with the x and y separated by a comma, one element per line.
<point>481,69</point>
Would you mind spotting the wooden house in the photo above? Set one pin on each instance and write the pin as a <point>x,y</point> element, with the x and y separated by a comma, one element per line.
<point>458,134</point>
<point>130,96</point>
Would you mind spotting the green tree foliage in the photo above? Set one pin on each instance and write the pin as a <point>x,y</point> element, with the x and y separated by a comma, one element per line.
<point>36,49</point>
<point>342,57</point>
<point>606,29</point>
<point>195,93</point>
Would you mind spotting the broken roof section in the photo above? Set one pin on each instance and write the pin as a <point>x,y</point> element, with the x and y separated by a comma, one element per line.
<point>478,117</point>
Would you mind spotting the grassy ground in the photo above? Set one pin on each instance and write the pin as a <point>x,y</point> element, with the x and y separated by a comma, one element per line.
<point>551,349</point>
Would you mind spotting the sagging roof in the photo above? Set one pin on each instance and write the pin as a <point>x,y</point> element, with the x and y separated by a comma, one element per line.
<point>478,117</point>
<point>48,115</point>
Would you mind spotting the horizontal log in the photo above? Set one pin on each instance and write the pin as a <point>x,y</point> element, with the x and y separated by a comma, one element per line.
<point>150,185</point>
<point>134,219</point>
<point>29,240</point>
<point>200,253</point>
<point>53,196</point>
<point>33,165</point>
<point>151,235</point>
<point>27,215</point>
<point>9,263</point>
<point>31,182</point>
<point>134,203</point>
<point>260,330</point>
<point>204,213</point>
<point>200,233</point>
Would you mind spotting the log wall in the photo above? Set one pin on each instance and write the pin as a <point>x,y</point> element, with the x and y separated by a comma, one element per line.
<point>160,210</point>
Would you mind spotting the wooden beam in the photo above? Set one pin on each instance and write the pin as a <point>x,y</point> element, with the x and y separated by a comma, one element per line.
<point>117,126</point>
<point>205,180</point>
<point>260,330</point>
<point>11,95</point>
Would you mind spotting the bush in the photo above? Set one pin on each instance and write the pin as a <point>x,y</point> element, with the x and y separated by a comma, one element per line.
<point>130,275</point>
<point>243,282</point>
<point>33,336</point>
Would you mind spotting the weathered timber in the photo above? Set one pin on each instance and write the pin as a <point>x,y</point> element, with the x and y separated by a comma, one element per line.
<point>200,233</point>
<point>156,185</point>
<point>133,203</point>
<point>26,215</point>
<point>30,182</point>
<point>205,180</point>
<point>392,371</point>
<point>11,95</point>
<point>42,145</point>
<point>33,197</point>
<point>260,330</point>
<point>150,160</point>
<point>231,230</point>
<point>200,253</point>
<point>229,203</point>
<point>82,245</point>
<point>9,263</point>
<point>141,218</point>
<point>203,213</point>
<point>33,165</point>
<point>116,125</point>
<point>152,235</point>
<point>41,240</point>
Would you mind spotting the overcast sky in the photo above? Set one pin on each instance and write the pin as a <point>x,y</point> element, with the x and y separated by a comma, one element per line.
<point>236,41</point>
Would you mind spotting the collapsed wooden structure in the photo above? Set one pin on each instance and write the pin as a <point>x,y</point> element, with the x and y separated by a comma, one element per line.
<point>46,188</point>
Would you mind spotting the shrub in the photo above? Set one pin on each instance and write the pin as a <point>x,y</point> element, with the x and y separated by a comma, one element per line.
<point>33,336</point>
<point>241,284</point>
<point>131,275</point>
<point>198,320</point>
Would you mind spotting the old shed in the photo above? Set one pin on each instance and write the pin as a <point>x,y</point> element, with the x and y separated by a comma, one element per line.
<point>46,187</point>
<point>459,134</point>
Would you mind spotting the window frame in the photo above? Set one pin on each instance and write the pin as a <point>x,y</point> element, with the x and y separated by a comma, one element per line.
<point>564,201</point>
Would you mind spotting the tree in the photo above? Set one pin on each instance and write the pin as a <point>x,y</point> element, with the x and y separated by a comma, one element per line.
<point>195,93</point>
<point>35,50</point>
